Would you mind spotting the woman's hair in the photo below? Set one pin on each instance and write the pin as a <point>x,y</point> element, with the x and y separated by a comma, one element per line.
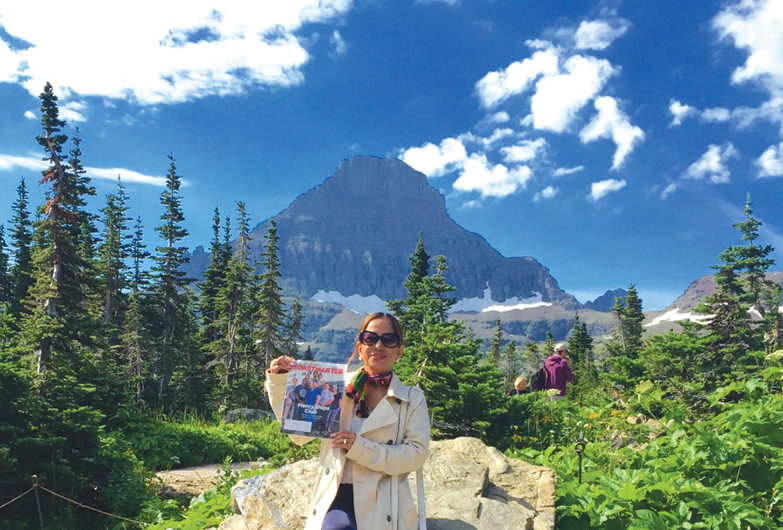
<point>369,318</point>
<point>518,380</point>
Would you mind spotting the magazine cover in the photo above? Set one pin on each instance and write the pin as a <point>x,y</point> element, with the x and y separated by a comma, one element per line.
<point>313,398</point>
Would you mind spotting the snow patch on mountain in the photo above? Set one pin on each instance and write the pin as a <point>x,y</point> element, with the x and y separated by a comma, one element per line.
<point>486,303</point>
<point>371,304</point>
<point>675,316</point>
<point>358,304</point>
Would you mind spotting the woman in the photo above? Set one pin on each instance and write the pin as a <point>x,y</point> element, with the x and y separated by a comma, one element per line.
<point>519,387</point>
<point>384,435</point>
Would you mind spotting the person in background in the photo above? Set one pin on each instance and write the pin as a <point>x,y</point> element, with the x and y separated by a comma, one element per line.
<point>558,366</point>
<point>519,387</point>
<point>384,435</point>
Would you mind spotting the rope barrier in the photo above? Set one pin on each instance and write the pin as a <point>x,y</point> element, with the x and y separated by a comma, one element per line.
<point>36,486</point>
<point>16,499</point>
<point>80,505</point>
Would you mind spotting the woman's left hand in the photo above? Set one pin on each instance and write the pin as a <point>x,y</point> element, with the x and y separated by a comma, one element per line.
<point>343,440</point>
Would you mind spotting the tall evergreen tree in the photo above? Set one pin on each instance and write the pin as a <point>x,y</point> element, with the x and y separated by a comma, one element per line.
<point>510,365</point>
<point>170,279</point>
<point>741,287</point>
<point>61,289</point>
<point>463,396</point>
<point>626,342</point>
<point>237,304</point>
<point>271,315</point>
<point>293,329</point>
<point>494,347</point>
<point>114,252</point>
<point>21,273</point>
<point>5,276</point>
<point>580,350</point>
<point>137,339</point>
<point>214,277</point>
<point>532,357</point>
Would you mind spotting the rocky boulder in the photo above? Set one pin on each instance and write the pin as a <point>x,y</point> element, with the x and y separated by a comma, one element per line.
<point>467,486</point>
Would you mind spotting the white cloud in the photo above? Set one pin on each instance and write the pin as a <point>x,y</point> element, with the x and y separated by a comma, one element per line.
<point>712,164</point>
<point>598,34</point>
<point>472,205</point>
<point>671,188</point>
<point>10,162</point>
<point>717,114</point>
<point>340,47</point>
<point>498,86</point>
<point>490,180</point>
<point>451,3</point>
<point>73,111</point>
<point>559,97</point>
<point>126,175</point>
<point>33,162</point>
<point>487,142</point>
<point>601,189</point>
<point>562,171</point>
<point>611,122</point>
<point>547,193</point>
<point>757,27</point>
<point>523,151</point>
<point>30,115</point>
<point>436,161</point>
<point>498,117</point>
<point>770,163</point>
<point>162,52</point>
<point>679,112</point>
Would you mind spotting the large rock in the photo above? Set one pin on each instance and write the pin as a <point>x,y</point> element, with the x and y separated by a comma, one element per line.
<point>467,486</point>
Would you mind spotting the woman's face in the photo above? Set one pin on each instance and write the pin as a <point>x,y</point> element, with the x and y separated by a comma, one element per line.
<point>378,359</point>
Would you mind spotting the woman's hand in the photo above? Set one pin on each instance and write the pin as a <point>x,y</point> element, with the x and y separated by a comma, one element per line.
<point>343,439</point>
<point>281,365</point>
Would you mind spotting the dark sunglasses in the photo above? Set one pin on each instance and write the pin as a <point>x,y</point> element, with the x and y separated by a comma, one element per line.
<point>369,338</point>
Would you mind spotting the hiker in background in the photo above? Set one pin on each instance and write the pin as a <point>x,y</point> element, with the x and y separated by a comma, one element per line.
<point>558,367</point>
<point>618,398</point>
<point>519,387</point>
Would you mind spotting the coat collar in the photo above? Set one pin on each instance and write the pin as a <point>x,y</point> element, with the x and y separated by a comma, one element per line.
<point>384,414</point>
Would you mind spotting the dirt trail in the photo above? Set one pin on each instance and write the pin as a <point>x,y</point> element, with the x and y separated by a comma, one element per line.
<point>192,481</point>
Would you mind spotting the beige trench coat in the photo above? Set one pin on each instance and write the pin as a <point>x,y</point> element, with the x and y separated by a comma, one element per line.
<point>382,496</point>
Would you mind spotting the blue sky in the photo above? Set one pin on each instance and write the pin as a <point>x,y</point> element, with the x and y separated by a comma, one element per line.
<point>615,142</point>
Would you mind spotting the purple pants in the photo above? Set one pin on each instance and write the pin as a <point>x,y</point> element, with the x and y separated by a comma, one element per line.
<point>341,515</point>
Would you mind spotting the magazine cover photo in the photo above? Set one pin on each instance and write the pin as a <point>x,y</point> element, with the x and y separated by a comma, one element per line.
<point>313,399</point>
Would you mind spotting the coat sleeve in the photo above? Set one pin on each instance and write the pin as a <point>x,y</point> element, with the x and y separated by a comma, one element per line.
<point>408,456</point>
<point>275,386</point>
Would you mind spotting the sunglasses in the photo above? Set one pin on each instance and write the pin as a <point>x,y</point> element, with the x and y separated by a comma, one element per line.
<point>390,340</point>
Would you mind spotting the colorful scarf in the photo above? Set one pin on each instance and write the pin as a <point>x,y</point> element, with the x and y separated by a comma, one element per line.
<point>357,389</point>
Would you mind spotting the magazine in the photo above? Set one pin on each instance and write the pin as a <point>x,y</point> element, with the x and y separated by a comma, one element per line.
<point>313,399</point>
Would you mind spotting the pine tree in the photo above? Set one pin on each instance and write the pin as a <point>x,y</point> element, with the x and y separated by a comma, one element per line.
<point>741,288</point>
<point>59,322</point>
<point>114,252</point>
<point>214,277</point>
<point>294,329</point>
<point>21,273</point>
<point>494,348</point>
<point>137,339</point>
<point>5,276</point>
<point>237,306</point>
<point>626,342</point>
<point>170,280</point>
<point>441,356</point>
<point>580,350</point>
<point>510,365</point>
<point>532,357</point>
<point>271,315</point>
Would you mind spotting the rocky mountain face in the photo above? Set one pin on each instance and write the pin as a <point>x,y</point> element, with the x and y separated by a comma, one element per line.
<point>354,234</point>
<point>605,302</point>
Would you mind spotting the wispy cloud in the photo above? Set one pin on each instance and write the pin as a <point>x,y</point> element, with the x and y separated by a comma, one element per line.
<point>599,190</point>
<point>436,160</point>
<point>599,34</point>
<point>563,171</point>
<point>161,52</point>
<point>712,164</point>
<point>34,163</point>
